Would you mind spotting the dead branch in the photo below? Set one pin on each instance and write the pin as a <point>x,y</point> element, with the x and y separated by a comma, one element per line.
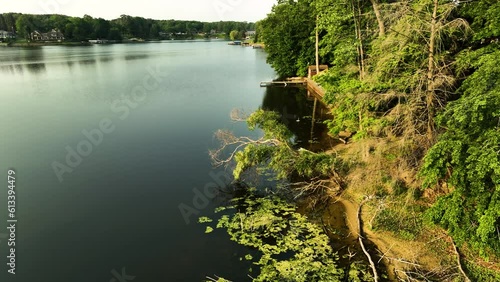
<point>218,279</point>
<point>316,184</point>
<point>404,261</point>
<point>229,142</point>
<point>459,264</point>
<point>360,239</point>
<point>381,206</point>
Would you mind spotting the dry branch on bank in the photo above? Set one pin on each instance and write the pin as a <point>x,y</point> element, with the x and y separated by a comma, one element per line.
<point>360,239</point>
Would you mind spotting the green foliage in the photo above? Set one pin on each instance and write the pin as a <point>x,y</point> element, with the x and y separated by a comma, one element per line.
<point>276,152</point>
<point>77,29</point>
<point>358,272</point>
<point>353,109</point>
<point>467,158</point>
<point>270,124</point>
<point>287,32</point>
<point>477,273</point>
<point>290,248</point>
<point>234,35</point>
<point>338,40</point>
<point>483,17</point>
<point>417,79</point>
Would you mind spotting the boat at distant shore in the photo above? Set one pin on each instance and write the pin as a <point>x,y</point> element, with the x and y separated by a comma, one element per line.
<point>101,41</point>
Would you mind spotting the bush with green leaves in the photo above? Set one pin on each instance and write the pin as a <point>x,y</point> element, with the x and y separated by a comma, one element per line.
<point>276,151</point>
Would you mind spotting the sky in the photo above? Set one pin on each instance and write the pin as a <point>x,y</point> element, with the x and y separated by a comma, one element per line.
<point>201,10</point>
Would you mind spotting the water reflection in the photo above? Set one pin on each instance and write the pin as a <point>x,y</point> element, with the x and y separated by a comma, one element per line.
<point>12,69</point>
<point>70,64</point>
<point>296,110</point>
<point>136,57</point>
<point>37,60</point>
<point>32,60</point>
<point>89,61</point>
<point>106,59</point>
<point>36,68</point>
<point>157,155</point>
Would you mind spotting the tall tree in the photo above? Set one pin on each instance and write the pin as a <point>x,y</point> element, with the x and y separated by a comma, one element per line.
<point>288,33</point>
<point>378,15</point>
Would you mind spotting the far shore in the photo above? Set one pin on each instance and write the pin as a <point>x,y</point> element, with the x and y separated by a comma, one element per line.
<point>83,43</point>
<point>39,44</point>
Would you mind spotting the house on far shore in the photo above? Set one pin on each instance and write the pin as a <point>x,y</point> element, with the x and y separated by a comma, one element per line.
<point>249,34</point>
<point>6,35</point>
<point>53,35</point>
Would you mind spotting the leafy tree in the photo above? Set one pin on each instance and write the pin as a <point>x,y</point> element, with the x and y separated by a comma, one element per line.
<point>467,157</point>
<point>234,35</point>
<point>3,25</point>
<point>26,24</point>
<point>101,28</point>
<point>483,18</point>
<point>114,34</point>
<point>274,150</point>
<point>287,32</point>
<point>79,29</point>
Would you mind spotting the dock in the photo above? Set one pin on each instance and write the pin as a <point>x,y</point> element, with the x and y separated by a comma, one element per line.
<point>293,81</point>
<point>312,87</point>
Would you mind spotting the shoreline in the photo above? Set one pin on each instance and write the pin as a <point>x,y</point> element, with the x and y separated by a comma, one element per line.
<point>42,44</point>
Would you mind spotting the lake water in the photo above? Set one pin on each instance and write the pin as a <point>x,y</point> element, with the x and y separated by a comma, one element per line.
<point>112,207</point>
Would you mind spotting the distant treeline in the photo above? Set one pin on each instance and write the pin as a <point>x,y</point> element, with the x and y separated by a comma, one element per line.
<point>78,29</point>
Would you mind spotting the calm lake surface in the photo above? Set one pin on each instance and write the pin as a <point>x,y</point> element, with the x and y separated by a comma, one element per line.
<point>118,209</point>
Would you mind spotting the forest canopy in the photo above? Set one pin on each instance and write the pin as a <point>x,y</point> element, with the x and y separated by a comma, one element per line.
<point>78,29</point>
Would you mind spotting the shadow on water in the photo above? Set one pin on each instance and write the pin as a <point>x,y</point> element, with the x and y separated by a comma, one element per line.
<point>106,59</point>
<point>36,68</point>
<point>332,215</point>
<point>32,58</point>
<point>297,110</point>
<point>87,62</point>
<point>136,57</point>
<point>12,69</point>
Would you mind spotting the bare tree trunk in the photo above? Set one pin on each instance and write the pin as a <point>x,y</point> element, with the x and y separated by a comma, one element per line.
<point>317,45</point>
<point>359,47</point>
<point>360,239</point>
<point>430,73</point>
<point>381,26</point>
